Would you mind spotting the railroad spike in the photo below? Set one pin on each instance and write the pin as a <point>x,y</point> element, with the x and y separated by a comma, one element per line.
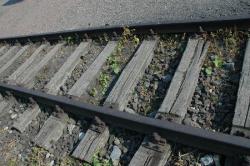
<point>97,125</point>
<point>29,41</point>
<point>86,36</point>
<point>58,109</point>
<point>76,35</point>
<point>115,34</point>
<point>32,101</point>
<point>201,29</point>
<point>44,39</point>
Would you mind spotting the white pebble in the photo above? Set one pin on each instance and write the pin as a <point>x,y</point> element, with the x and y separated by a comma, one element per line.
<point>52,163</point>
<point>81,135</point>
<point>19,156</point>
<point>47,155</point>
<point>116,141</point>
<point>70,128</point>
<point>13,116</point>
<point>5,128</point>
<point>115,154</point>
<point>129,110</point>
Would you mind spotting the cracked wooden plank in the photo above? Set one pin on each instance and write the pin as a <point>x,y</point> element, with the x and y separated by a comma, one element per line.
<point>176,101</point>
<point>27,79</point>
<point>13,59</point>
<point>8,55</point>
<point>122,89</point>
<point>82,84</point>
<point>242,109</point>
<point>30,61</point>
<point>121,92</point>
<point>66,69</point>
<point>91,141</point>
<point>145,156</point>
<point>26,118</point>
<point>49,133</point>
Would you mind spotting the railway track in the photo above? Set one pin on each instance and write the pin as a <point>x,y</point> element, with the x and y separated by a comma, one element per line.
<point>185,88</point>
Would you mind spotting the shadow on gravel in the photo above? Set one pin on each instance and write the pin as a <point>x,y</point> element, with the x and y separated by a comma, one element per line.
<point>11,2</point>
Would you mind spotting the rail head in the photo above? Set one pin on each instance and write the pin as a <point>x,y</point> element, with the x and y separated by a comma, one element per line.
<point>199,25</point>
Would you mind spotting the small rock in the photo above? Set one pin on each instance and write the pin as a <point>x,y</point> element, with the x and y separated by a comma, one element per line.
<point>129,110</point>
<point>229,66</point>
<point>193,109</point>
<point>52,163</point>
<point>19,156</point>
<point>229,60</point>
<point>115,155</point>
<point>117,141</point>
<point>13,116</point>
<point>47,155</point>
<point>155,86</point>
<point>21,106</point>
<point>134,105</point>
<point>111,139</point>
<point>216,159</point>
<point>147,84</point>
<point>70,128</point>
<point>207,103</point>
<point>189,122</point>
<point>81,135</point>
<point>207,160</point>
<point>167,78</point>
<point>115,162</point>
<point>6,128</point>
<point>124,149</point>
<point>10,111</point>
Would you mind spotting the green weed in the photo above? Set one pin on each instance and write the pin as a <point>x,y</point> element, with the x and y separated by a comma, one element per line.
<point>104,81</point>
<point>208,71</point>
<point>69,40</point>
<point>218,62</point>
<point>96,161</point>
<point>114,64</point>
<point>93,92</point>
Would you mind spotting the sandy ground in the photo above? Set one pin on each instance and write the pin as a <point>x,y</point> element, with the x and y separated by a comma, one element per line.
<point>22,17</point>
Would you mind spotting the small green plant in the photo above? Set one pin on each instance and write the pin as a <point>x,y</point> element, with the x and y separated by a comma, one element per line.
<point>208,71</point>
<point>68,161</point>
<point>96,161</point>
<point>93,92</point>
<point>136,40</point>
<point>114,64</point>
<point>103,81</point>
<point>218,62</point>
<point>69,40</point>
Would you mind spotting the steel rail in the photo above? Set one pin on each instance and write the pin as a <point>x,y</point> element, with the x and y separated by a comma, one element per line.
<point>242,22</point>
<point>187,135</point>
